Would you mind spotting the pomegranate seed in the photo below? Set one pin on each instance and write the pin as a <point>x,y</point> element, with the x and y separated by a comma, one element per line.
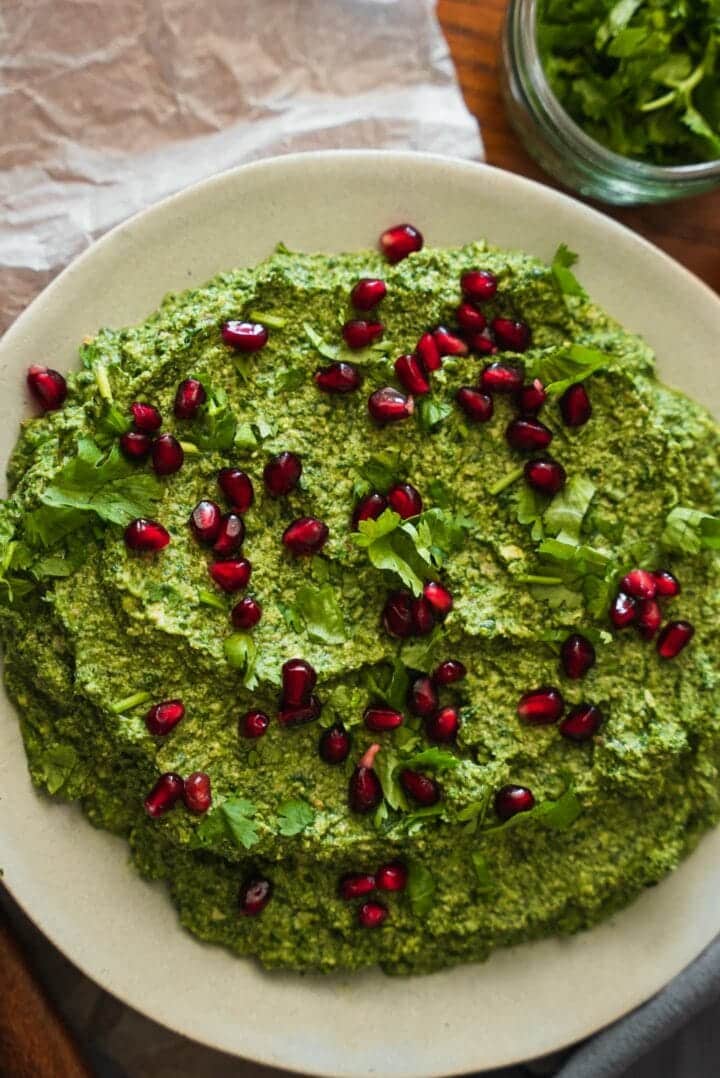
<point>162,718</point>
<point>640,584</point>
<point>369,508</point>
<point>337,378</point>
<point>470,318</point>
<point>356,885</point>
<point>428,353</point>
<point>298,716</point>
<point>244,336</point>
<point>197,794</point>
<point>305,536</point>
<point>372,914</point>
<point>388,405</point>
<point>397,614</point>
<point>439,598</point>
<point>530,398</point>
<point>281,473</point>
<point>146,535</point>
<point>420,787</point>
<point>230,536</point>
<point>649,617</point>
<point>623,611</point>
<point>423,618</point>
<point>367,293</point>
<point>575,406</point>
<point>391,877</point>
<point>400,241</point>
<point>164,795</point>
<point>448,343</point>
<point>546,476</point>
<point>47,386</point>
<point>666,584</point>
<point>334,746</point>
<point>477,406</point>
<point>509,800</point>
<point>674,637</point>
<point>411,375</point>
<point>167,455</point>
<point>188,398</point>
<point>381,719</point>
<point>582,723</point>
<point>205,521</point>
<point>501,377</point>
<point>448,672</point>
<point>479,285</point>
<point>577,656</point>
<point>135,446</point>
<point>528,434</point>
<point>422,697</point>
<point>358,333</point>
<point>483,344</point>
<point>443,725</point>
<point>254,896</point>
<point>365,791</point>
<point>541,706</point>
<point>237,488</point>
<point>145,417</point>
<point>298,681</point>
<point>511,336</point>
<point>246,614</point>
<point>253,724</point>
<point>230,575</point>
<point>405,500</point>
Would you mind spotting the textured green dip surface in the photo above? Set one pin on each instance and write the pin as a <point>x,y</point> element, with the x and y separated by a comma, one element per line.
<point>93,633</point>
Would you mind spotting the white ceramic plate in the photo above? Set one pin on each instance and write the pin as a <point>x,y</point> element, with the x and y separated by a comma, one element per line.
<point>76,882</point>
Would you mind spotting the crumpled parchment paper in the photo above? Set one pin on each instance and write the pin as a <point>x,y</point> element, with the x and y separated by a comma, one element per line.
<point>106,107</point>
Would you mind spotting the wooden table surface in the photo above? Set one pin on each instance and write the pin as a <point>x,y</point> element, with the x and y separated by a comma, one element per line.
<point>688,230</point>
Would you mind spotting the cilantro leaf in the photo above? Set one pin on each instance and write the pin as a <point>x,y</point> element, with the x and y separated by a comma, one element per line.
<point>215,426</point>
<point>294,817</point>
<point>421,888</point>
<point>58,764</point>
<point>241,654</point>
<point>562,367</point>
<point>688,531</point>
<point>318,612</point>
<point>387,764</point>
<point>435,759</point>
<point>485,881</point>
<point>329,351</point>
<point>107,485</point>
<point>557,815</point>
<point>381,471</point>
<point>413,550</point>
<point>565,514</point>
<point>238,817</point>
<point>566,280</point>
<point>430,413</point>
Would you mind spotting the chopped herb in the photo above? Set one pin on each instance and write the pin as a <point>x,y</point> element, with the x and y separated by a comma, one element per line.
<point>216,425</point>
<point>237,815</point>
<point>507,480</point>
<point>241,655</point>
<point>380,472</point>
<point>430,413</point>
<point>421,888</point>
<point>294,817</point>
<point>566,280</point>
<point>412,550</point>
<point>107,485</point>
<point>688,531</point>
<point>485,881</point>
<point>557,815</point>
<point>565,514</point>
<point>58,763</point>
<point>128,703</point>
<point>317,612</point>
<point>210,598</point>
<point>330,351</point>
<point>562,367</point>
<point>434,759</point>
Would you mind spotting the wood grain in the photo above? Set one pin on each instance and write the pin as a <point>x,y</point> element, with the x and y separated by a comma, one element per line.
<point>688,230</point>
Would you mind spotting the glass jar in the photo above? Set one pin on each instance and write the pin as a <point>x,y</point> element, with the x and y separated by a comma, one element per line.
<point>562,148</point>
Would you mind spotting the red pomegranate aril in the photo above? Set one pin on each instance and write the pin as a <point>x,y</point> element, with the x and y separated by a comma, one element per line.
<point>237,487</point>
<point>443,725</point>
<point>582,722</point>
<point>334,745</point>
<point>422,697</point>
<point>477,406</point>
<point>575,406</point>
<point>649,618</point>
<point>244,336</point>
<point>305,536</point>
<point>428,353</point>
<point>479,285</point>
<point>511,335</point>
<point>577,656</point>
<point>510,799</point>
<point>546,476</point>
<point>528,434</point>
<point>530,398</point>
<point>356,885</point>
<point>666,585</point>
<point>230,535</point>
<point>337,378</point>
<point>470,318</point>
<point>167,455</point>
<point>541,706</point>
<point>675,636</point>
<point>449,344</point>
<point>423,617</point>
<point>146,535</point>
<point>369,508</point>
<point>253,724</point>
<point>254,896</point>
<point>163,717</point>
<point>298,681</point>
<point>382,719</point>
<point>298,716</point>
<point>483,344</point>
<point>205,521</point>
<point>188,398</point>
<point>281,473</point>
<point>419,787</point>
<point>501,377</point>
<point>391,877</point>
<point>365,789</point>
<point>367,293</point>
<point>439,598</point>
<point>640,584</point>
<point>623,610</point>
<point>411,375</point>
<point>145,417</point>
<point>197,794</point>
<point>448,672</point>
<point>135,446</point>
<point>164,795</point>
<point>246,614</point>
<point>398,614</point>
<point>230,575</point>
<point>388,405</point>
<point>47,386</point>
<point>372,914</point>
<point>400,241</point>
<point>357,333</point>
<point>405,500</point>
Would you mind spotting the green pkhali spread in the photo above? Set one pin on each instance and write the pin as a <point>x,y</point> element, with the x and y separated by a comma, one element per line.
<point>95,633</point>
